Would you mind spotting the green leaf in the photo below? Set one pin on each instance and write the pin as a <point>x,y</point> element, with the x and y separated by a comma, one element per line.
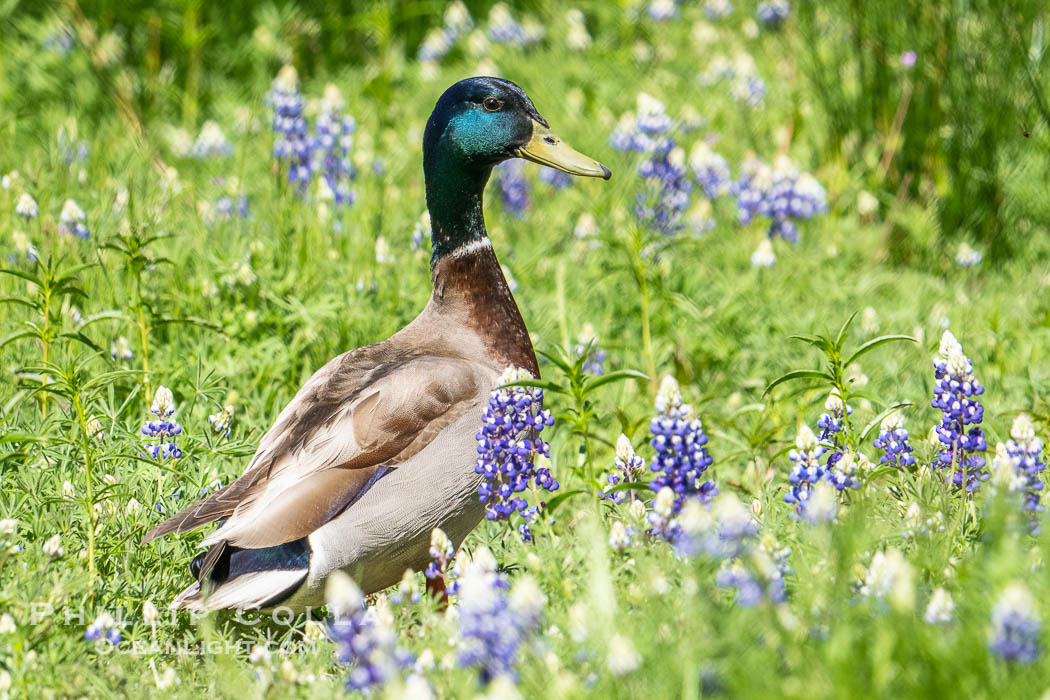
<point>81,338</point>
<point>561,498</point>
<point>545,384</point>
<point>16,336</point>
<point>841,337</point>
<point>882,471</point>
<point>874,343</point>
<point>815,340</point>
<point>189,320</point>
<point>879,418</point>
<point>616,376</point>
<point>798,374</point>
<point>557,361</point>
<point>628,486</point>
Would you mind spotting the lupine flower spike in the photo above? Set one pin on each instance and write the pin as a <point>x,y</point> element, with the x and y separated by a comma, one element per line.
<point>1019,465</point>
<point>678,438</point>
<point>627,467</point>
<point>961,438</point>
<point>508,445</point>
<point>1016,625</point>
<point>163,429</point>
<point>807,470</point>
<point>893,441</point>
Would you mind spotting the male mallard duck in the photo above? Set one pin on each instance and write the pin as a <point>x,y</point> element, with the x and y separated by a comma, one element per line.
<point>377,449</point>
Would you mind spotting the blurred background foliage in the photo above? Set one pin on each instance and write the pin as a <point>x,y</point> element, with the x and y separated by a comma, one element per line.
<point>966,134</point>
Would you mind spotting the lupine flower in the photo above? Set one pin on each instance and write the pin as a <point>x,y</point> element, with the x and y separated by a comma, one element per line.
<point>725,530</point>
<point>23,246</point>
<point>622,657</point>
<point>820,504</point>
<point>508,445</point>
<point>830,422</point>
<point>807,470</point>
<point>755,567</point>
<point>890,578</point>
<point>967,256</point>
<point>492,624</point>
<point>893,440</point>
<point>221,421</point>
<point>557,179</point>
<point>290,128</point>
<point>773,13</point>
<point>104,627</point>
<point>26,207</point>
<point>441,553</point>
<point>662,522</point>
<point>330,148</point>
<point>504,29</point>
<point>71,220</point>
<point>627,467</point>
<point>440,40</point>
<point>163,429</point>
<point>781,193</point>
<point>7,624</point>
<point>1019,465</point>
<point>940,609</point>
<point>577,38</point>
<point>595,356</point>
<point>365,637</point>
<point>956,396</point>
<point>710,169</point>
<point>764,255</point>
<point>620,536</point>
<point>121,349</point>
<point>53,547</point>
<point>661,10</point>
<point>718,9</point>
<point>211,142</point>
<point>1016,625</point>
<point>513,187</point>
<point>678,439</point>
<point>908,59</point>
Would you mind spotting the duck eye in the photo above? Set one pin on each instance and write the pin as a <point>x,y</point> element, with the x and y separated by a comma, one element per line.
<point>492,104</point>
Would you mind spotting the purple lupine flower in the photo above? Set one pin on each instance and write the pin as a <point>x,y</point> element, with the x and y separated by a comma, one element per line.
<point>508,444</point>
<point>594,362</point>
<point>1016,626</point>
<point>163,429</point>
<point>773,13</point>
<point>441,554</point>
<point>627,467</point>
<point>493,624</point>
<point>211,142</point>
<point>893,441</point>
<point>291,142</point>
<point>661,519</point>
<point>710,169</point>
<point>780,193</point>
<point>364,636</point>
<point>807,470</point>
<point>71,220</point>
<point>330,148</point>
<point>842,464</point>
<point>678,439</point>
<point>1019,465</point>
<point>103,628</point>
<point>557,179</point>
<point>504,29</point>
<point>513,187</point>
<point>961,437</point>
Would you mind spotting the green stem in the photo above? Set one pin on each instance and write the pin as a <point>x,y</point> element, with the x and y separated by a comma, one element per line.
<point>89,490</point>
<point>140,320</point>
<point>643,293</point>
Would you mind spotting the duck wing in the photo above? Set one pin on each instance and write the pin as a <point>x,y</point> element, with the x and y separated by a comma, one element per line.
<point>362,413</point>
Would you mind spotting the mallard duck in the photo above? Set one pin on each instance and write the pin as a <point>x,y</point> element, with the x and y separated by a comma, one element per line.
<point>377,448</point>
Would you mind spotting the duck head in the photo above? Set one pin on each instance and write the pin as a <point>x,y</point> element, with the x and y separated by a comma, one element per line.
<point>476,124</point>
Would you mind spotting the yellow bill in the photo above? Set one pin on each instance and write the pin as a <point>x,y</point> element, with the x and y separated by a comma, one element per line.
<point>547,149</point>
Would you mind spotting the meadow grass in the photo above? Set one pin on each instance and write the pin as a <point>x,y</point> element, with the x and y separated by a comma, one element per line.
<point>240,310</point>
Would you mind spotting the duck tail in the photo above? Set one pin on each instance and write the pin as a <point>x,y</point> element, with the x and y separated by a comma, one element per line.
<point>230,577</point>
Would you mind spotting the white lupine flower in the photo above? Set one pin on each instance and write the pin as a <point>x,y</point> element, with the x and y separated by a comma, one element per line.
<point>822,506</point>
<point>892,422</point>
<point>260,654</point>
<point>150,614</point>
<point>383,254</point>
<point>669,396</point>
<point>71,212</point>
<point>23,246</point>
<point>8,526</point>
<point>440,544</point>
<point>342,594</point>
<point>624,449</point>
<point>636,510</point>
<point>949,345</point>
<point>663,504</point>
<point>167,679</point>
<point>53,547</point>
<point>211,141</point>
<point>1007,472</point>
<point>618,537</point>
<point>764,255</point>
<point>622,658</point>
<point>7,624</point>
<point>967,256</point>
<point>940,609</point>
<point>1023,430</point>
<point>806,440</point>
<point>890,577</point>
<point>578,38</point>
<point>867,204</point>
<point>163,402</point>
<point>834,403</point>
<point>132,507</point>
<point>68,490</point>
<point>26,206</point>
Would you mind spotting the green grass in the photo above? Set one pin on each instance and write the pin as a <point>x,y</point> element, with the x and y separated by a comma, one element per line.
<point>719,325</point>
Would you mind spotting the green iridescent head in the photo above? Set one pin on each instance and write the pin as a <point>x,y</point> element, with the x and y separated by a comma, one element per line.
<point>476,124</point>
